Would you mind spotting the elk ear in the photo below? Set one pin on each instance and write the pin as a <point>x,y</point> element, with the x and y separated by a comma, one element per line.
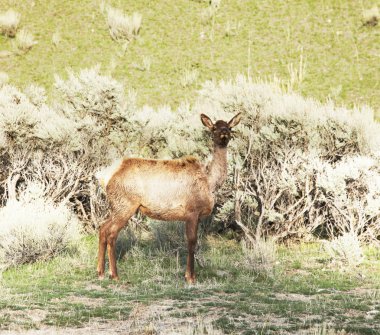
<point>234,121</point>
<point>207,121</point>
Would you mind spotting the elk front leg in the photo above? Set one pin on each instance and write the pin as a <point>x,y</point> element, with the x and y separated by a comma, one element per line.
<point>191,234</point>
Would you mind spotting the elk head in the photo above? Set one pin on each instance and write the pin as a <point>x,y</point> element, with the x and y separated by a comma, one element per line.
<point>221,130</point>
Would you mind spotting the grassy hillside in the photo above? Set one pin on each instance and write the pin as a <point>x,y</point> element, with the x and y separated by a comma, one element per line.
<point>262,38</point>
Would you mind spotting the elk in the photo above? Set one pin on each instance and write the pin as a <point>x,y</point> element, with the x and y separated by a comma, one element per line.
<point>169,190</point>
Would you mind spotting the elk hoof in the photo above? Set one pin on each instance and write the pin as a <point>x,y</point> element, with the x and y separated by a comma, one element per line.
<point>100,276</point>
<point>114,277</point>
<point>190,279</point>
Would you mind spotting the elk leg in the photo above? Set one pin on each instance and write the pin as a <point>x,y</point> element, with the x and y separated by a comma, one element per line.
<point>119,222</point>
<point>102,247</point>
<point>191,234</point>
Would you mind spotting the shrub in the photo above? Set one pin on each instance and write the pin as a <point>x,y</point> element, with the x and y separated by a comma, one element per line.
<point>285,152</point>
<point>297,166</point>
<point>97,104</point>
<point>92,123</point>
<point>122,26</point>
<point>90,93</point>
<point>350,194</point>
<point>9,22</point>
<point>42,143</point>
<point>29,120</point>
<point>371,16</point>
<point>283,147</point>
<point>34,228</point>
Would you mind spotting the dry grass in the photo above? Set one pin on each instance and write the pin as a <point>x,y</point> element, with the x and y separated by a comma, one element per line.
<point>144,319</point>
<point>325,330</point>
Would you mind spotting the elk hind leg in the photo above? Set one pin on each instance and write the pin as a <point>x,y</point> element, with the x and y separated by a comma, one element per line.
<point>120,221</point>
<point>102,247</point>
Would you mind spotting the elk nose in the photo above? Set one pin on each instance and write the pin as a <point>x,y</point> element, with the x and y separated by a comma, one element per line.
<point>224,134</point>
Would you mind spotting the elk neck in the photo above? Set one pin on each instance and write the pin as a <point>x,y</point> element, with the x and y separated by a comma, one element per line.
<point>217,168</point>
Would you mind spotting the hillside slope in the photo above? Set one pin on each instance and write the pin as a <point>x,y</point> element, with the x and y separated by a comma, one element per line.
<point>263,38</point>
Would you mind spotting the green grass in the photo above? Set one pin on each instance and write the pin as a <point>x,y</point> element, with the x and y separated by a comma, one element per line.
<point>341,56</point>
<point>228,296</point>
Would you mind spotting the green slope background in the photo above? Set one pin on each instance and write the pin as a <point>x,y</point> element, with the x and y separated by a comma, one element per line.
<point>325,41</point>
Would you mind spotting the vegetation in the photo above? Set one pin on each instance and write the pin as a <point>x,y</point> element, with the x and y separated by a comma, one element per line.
<point>299,214</point>
<point>122,26</point>
<point>258,38</point>
<point>25,40</point>
<point>320,164</point>
<point>9,22</point>
<point>34,228</point>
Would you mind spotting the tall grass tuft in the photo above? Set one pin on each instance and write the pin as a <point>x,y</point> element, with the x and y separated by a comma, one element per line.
<point>9,22</point>
<point>296,74</point>
<point>208,14</point>
<point>121,26</point>
<point>232,28</point>
<point>56,38</point>
<point>25,40</point>
<point>169,236</point>
<point>260,256</point>
<point>189,77</point>
<point>325,329</point>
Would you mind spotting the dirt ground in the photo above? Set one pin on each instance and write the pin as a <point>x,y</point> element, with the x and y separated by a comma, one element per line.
<point>152,319</point>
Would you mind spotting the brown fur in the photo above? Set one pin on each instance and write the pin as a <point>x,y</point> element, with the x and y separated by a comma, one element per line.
<point>169,190</point>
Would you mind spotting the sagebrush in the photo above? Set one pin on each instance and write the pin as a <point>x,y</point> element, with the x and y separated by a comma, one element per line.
<point>298,167</point>
<point>287,148</point>
<point>35,228</point>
